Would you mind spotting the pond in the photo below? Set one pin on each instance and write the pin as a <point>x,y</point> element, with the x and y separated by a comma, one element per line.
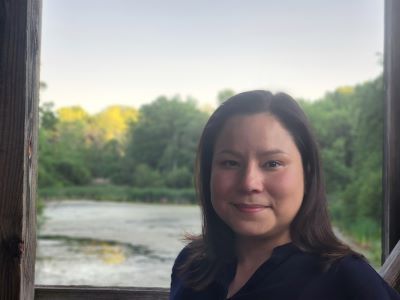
<point>111,243</point>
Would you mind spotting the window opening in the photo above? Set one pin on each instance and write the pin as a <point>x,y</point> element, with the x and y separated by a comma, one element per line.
<point>129,98</point>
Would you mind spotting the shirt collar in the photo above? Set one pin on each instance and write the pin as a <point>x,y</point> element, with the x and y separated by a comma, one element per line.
<point>278,256</point>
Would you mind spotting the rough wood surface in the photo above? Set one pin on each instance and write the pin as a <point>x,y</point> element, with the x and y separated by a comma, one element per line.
<point>19,82</point>
<point>391,176</point>
<point>390,270</point>
<point>99,293</point>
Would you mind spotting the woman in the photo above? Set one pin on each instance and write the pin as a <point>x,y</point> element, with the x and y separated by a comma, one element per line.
<point>266,231</point>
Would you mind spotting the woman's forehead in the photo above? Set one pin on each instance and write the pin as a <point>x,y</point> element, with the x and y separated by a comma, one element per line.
<point>261,132</point>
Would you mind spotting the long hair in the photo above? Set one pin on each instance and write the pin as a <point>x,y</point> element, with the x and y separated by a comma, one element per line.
<point>311,230</point>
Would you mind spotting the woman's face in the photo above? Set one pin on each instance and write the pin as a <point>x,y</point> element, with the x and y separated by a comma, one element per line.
<point>257,178</point>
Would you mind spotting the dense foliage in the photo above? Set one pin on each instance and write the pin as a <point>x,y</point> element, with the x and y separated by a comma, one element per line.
<point>150,148</point>
<point>150,152</point>
<point>349,126</point>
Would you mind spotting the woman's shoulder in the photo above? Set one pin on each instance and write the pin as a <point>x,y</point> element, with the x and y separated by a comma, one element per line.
<point>182,256</point>
<point>187,263</point>
<point>355,270</point>
<point>176,286</point>
<point>359,279</point>
<point>180,260</point>
<point>350,277</point>
<point>191,252</point>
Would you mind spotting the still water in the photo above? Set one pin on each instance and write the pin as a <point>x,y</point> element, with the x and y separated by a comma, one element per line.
<point>111,244</point>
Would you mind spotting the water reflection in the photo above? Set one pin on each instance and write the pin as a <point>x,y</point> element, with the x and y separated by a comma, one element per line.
<point>104,243</point>
<point>108,254</point>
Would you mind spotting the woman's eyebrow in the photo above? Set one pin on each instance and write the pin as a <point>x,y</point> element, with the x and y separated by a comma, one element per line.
<point>260,153</point>
<point>228,151</point>
<point>272,152</point>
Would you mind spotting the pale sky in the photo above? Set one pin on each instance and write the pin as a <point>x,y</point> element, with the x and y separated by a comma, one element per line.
<point>96,53</point>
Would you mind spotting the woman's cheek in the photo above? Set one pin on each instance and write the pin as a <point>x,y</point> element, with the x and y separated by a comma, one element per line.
<point>286,182</point>
<point>217,183</point>
<point>222,183</point>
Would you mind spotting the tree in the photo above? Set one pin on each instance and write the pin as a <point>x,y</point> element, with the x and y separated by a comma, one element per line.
<point>47,118</point>
<point>224,95</point>
<point>334,123</point>
<point>165,136</point>
<point>349,127</point>
<point>62,147</point>
<point>72,114</point>
<point>111,124</point>
<point>366,188</point>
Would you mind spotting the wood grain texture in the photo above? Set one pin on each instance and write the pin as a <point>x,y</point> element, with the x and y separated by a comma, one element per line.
<point>99,293</point>
<point>19,82</point>
<point>390,270</point>
<point>391,176</point>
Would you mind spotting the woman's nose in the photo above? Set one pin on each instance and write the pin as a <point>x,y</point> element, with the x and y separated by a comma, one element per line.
<point>252,179</point>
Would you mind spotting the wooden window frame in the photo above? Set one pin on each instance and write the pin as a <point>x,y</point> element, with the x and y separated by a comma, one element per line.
<point>390,270</point>
<point>20,28</point>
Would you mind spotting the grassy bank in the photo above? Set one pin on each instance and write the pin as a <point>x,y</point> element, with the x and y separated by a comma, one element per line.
<point>367,244</point>
<point>119,193</point>
<point>364,233</point>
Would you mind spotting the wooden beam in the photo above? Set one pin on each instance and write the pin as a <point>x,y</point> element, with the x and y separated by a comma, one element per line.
<point>391,173</point>
<point>99,293</point>
<point>390,270</point>
<point>19,84</point>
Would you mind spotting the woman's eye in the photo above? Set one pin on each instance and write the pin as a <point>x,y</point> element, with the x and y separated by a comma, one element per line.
<point>230,163</point>
<point>272,164</point>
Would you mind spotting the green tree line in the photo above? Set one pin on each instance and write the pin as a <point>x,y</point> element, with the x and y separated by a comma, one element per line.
<point>151,147</point>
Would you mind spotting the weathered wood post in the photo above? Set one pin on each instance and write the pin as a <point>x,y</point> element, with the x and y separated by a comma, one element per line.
<point>391,176</point>
<point>19,83</point>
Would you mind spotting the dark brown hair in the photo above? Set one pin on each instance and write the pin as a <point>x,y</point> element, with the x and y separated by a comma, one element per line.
<point>311,230</point>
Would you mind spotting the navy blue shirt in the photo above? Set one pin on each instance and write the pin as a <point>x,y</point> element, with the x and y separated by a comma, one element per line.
<point>292,274</point>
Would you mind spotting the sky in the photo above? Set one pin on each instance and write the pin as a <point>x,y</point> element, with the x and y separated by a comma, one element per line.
<point>97,53</point>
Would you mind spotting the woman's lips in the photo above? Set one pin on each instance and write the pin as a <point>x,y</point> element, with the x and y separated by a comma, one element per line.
<point>250,208</point>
